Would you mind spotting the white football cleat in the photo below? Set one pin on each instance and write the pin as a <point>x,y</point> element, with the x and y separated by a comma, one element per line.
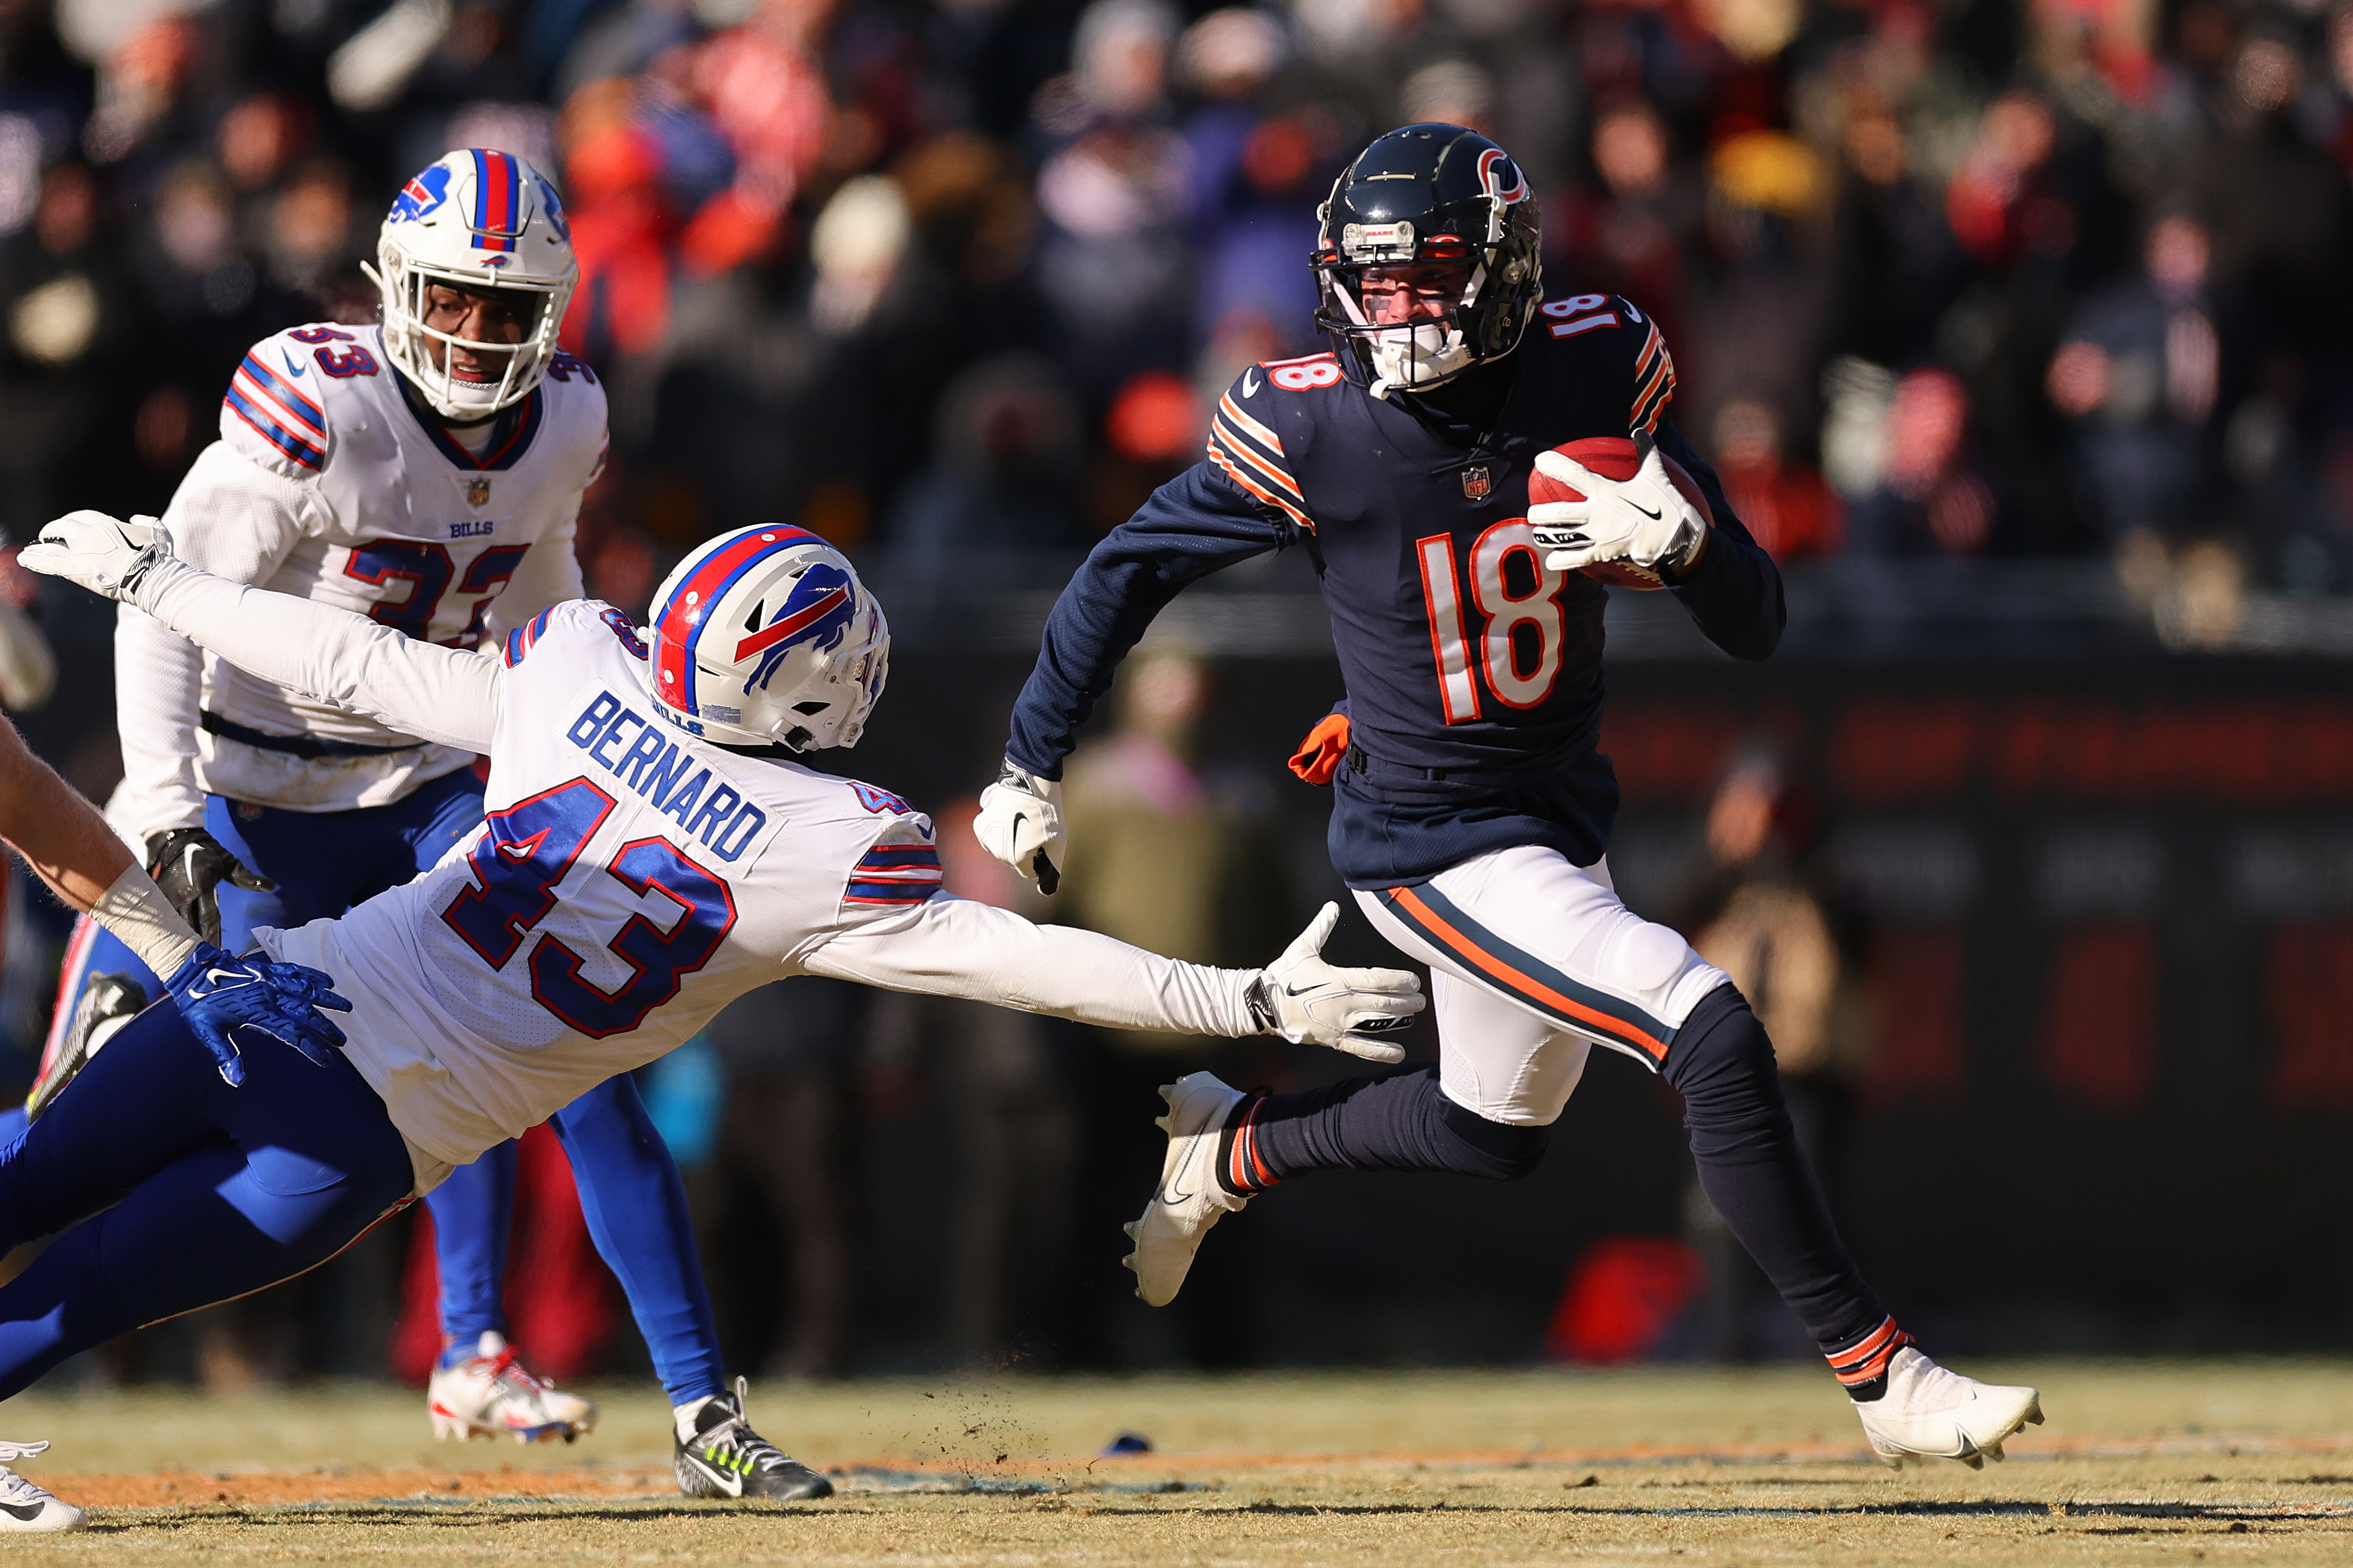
<point>1928,1412</point>
<point>1189,1198</point>
<point>25,1509</point>
<point>490,1394</point>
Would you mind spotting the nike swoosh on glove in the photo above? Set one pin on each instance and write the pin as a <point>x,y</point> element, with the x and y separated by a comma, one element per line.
<point>104,554</point>
<point>189,865</point>
<point>1305,999</point>
<point>1021,823</point>
<point>1645,519</point>
<point>218,995</point>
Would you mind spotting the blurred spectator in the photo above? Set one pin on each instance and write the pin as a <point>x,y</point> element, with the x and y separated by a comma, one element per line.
<point>1766,913</point>
<point>1173,857</point>
<point>788,1051</point>
<point>2142,369</point>
<point>1787,505</point>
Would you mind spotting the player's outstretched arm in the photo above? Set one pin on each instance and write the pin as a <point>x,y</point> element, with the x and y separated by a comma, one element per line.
<point>953,947</point>
<point>70,846</point>
<point>442,694</point>
<point>1197,523</point>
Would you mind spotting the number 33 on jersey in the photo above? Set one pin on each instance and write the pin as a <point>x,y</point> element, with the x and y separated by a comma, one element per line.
<point>402,521</point>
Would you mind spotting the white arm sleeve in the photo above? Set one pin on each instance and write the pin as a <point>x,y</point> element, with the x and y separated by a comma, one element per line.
<point>953,947</point>
<point>447,695</point>
<point>548,576</point>
<point>236,520</point>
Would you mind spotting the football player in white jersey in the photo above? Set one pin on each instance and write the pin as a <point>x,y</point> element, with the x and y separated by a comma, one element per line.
<point>651,852</point>
<point>427,472</point>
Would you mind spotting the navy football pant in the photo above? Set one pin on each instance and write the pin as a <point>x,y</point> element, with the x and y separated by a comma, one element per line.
<point>1534,961</point>
<point>174,1191</point>
<point>630,1194</point>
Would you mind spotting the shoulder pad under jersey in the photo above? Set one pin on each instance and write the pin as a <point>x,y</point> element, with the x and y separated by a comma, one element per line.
<point>1612,333</point>
<point>1252,420</point>
<point>278,409</point>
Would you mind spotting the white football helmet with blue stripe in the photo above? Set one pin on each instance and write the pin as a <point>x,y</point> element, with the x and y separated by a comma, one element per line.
<point>477,218</point>
<point>766,636</point>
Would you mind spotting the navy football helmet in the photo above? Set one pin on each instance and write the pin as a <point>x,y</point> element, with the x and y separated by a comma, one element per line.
<point>1427,261</point>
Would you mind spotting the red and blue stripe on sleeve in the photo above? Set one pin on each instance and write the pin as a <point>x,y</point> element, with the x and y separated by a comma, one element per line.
<point>904,874</point>
<point>277,413</point>
<point>520,640</point>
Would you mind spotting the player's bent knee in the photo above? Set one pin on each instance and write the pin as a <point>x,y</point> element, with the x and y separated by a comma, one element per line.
<point>1722,1056</point>
<point>1495,1151</point>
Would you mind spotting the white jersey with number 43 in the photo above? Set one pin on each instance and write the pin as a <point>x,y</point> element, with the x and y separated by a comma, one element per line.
<point>630,879</point>
<point>329,484</point>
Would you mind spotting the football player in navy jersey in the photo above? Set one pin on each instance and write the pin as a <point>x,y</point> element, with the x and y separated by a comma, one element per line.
<point>1471,812</point>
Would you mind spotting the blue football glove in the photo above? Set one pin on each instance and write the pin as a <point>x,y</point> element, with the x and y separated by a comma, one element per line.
<point>218,995</point>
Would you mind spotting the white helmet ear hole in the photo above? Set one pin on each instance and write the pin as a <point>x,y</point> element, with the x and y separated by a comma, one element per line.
<point>811,707</point>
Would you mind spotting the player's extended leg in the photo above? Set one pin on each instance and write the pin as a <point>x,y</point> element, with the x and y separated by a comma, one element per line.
<point>635,1205</point>
<point>199,1191</point>
<point>1553,942</point>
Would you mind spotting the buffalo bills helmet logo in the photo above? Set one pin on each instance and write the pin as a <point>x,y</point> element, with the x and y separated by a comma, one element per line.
<point>428,191</point>
<point>819,610</point>
<point>553,207</point>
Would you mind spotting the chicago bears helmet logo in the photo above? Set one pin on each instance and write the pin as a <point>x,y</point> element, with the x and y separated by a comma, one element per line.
<point>1500,177</point>
<point>428,191</point>
<point>819,610</point>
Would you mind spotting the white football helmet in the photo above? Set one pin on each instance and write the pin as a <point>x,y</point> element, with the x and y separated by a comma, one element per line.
<point>766,636</point>
<point>478,219</point>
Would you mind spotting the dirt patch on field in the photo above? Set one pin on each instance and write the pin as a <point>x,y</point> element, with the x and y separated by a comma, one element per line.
<point>190,1489</point>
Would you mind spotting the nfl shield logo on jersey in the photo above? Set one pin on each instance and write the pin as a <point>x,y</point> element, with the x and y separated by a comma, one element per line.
<point>1476,484</point>
<point>478,492</point>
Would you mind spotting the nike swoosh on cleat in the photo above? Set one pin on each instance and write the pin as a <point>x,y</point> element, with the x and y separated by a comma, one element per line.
<point>26,1511</point>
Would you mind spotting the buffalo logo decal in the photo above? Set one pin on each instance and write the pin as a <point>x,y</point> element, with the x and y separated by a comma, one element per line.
<point>817,611</point>
<point>420,195</point>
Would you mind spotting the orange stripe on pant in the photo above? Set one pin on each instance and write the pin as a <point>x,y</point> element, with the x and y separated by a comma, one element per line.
<point>1471,953</point>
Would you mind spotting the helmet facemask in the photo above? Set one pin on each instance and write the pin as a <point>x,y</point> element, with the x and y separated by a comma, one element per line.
<point>1427,261</point>
<point>412,344</point>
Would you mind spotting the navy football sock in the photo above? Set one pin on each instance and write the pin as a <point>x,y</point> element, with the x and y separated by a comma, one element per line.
<point>1395,1121</point>
<point>1753,1171</point>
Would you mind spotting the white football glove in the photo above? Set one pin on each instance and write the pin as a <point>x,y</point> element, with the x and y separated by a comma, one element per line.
<point>104,554</point>
<point>1021,823</point>
<point>1305,999</point>
<point>1645,519</point>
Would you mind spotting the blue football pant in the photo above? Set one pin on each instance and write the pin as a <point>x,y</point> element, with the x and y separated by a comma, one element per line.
<point>180,1191</point>
<point>630,1194</point>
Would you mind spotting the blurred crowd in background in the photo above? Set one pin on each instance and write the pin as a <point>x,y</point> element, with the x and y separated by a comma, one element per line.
<point>1958,278</point>
<point>952,283</point>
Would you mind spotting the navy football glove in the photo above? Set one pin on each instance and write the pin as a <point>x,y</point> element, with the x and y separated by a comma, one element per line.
<point>218,995</point>
<point>189,863</point>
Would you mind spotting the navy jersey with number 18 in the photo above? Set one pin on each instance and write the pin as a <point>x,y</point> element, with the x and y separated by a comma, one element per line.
<point>1473,675</point>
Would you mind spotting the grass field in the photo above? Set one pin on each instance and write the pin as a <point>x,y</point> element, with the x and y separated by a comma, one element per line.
<point>2141,1463</point>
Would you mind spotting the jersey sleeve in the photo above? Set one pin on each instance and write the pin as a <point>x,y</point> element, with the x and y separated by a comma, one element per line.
<point>273,413</point>
<point>1247,448</point>
<point>1197,523</point>
<point>446,695</point>
<point>237,519</point>
<point>957,947</point>
<point>901,866</point>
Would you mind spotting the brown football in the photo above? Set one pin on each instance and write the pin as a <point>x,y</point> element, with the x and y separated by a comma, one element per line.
<point>1612,456</point>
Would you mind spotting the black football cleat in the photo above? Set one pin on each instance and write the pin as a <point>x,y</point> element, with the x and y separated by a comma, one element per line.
<point>726,1459</point>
